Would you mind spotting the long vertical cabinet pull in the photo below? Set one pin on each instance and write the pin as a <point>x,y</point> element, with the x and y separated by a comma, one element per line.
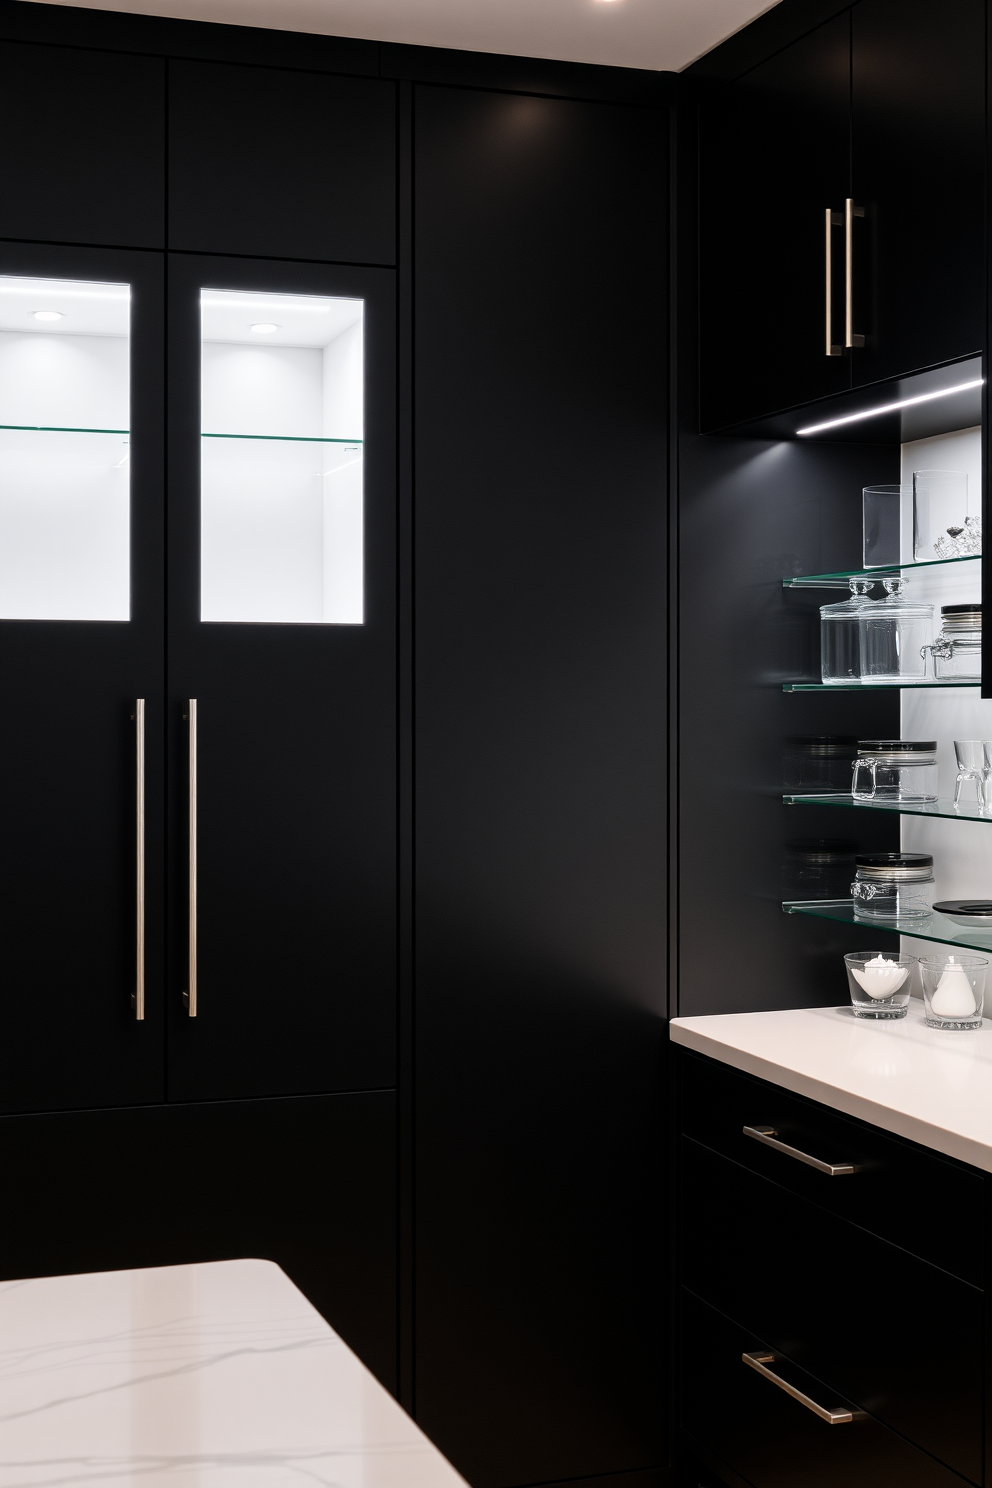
<point>190,995</point>
<point>850,212</point>
<point>139,860</point>
<point>832,220</point>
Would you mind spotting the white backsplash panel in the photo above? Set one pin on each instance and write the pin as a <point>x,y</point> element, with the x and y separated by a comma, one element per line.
<point>962,850</point>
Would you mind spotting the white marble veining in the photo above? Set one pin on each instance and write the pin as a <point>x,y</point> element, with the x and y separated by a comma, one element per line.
<point>927,1084</point>
<point>207,1376</point>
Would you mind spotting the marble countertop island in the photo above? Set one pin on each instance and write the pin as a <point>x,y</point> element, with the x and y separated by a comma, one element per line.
<point>931,1085</point>
<point>208,1376</point>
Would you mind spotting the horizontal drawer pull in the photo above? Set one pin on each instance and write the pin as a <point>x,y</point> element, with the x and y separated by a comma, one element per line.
<point>769,1136</point>
<point>760,1359</point>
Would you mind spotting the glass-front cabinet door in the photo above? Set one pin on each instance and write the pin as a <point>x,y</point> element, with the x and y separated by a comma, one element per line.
<point>282,678</point>
<point>81,640</point>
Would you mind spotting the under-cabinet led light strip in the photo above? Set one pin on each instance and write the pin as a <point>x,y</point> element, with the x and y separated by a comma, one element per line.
<point>855,418</point>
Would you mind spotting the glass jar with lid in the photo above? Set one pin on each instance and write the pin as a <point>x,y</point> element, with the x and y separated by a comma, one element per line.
<point>893,886</point>
<point>957,651</point>
<point>840,634</point>
<point>895,635</point>
<point>903,771</point>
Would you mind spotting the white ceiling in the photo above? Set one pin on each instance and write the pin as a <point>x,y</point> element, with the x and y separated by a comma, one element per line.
<point>662,34</point>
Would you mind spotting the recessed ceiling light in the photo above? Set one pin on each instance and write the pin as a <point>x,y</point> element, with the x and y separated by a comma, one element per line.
<point>264,328</point>
<point>48,315</point>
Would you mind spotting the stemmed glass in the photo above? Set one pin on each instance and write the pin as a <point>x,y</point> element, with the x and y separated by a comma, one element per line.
<point>974,757</point>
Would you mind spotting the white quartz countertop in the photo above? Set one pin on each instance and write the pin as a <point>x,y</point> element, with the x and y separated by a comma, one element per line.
<point>930,1085</point>
<point>207,1376</point>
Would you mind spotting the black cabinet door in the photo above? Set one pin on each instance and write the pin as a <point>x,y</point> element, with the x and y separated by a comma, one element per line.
<point>774,159</point>
<point>808,1283</point>
<point>918,134</point>
<point>68,797</point>
<point>296,813</point>
<point>83,157</point>
<point>540,635</point>
<point>287,164</point>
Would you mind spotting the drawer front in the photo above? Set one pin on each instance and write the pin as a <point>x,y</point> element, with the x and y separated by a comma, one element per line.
<point>898,1336</point>
<point>913,1198</point>
<point>771,1439</point>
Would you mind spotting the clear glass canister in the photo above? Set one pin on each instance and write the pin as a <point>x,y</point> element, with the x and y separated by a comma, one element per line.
<point>893,886</point>
<point>957,651</point>
<point>900,770</point>
<point>840,634</point>
<point>895,635</point>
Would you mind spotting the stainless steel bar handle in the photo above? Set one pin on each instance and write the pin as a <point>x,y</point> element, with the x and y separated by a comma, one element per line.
<point>769,1136</point>
<point>850,212</point>
<point>139,864</point>
<point>190,995</point>
<point>760,1359</point>
<point>832,220</point>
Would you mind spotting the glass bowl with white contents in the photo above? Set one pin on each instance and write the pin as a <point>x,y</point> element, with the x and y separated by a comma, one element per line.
<point>880,984</point>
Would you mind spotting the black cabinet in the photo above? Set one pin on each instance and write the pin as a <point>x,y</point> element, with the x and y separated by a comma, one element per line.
<point>918,161</point>
<point>295,730</point>
<point>540,801</point>
<point>825,260</point>
<point>774,158</point>
<point>284,164</point>
<point>83,157</point>
<point>824,1277</point>
<point>67,752</point>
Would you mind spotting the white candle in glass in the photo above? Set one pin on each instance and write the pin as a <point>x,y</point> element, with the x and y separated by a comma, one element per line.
<point>880,977</point>
<point>953,997</point>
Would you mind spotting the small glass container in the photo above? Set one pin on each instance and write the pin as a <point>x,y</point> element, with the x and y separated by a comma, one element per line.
<point>840,634</point>
<point>898,770</point>
<point>943,524</point>
<point>957,651</point>
<point>953,989</point>
<point>820,765</point>
<point>882,526</point>
<point>895,635</point>
<point>879,984</point>
<point>893,886</point>
<point>818,868</point>
<point>972,756</point>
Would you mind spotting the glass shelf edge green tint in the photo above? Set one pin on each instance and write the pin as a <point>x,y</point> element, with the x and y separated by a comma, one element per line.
<point>839,580</point>
<point>934,927</point>
<point>284,438</point>
<point>966,811</point>
<point>867,686</point>
<point>57,429</point>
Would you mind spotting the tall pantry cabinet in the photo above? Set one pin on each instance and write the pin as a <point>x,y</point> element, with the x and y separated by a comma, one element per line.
<point>333,621</point>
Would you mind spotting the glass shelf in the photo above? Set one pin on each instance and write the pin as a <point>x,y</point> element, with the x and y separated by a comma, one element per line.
<point>936,927</point>
<point>57,429</point>
<point>867,686</point>
<point>285,438</point>
<point>839,580</point>
<point>966,811</point>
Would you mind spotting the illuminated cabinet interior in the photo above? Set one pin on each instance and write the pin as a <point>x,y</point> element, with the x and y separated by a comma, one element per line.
<point>281,458</point>
<point>64,450</point>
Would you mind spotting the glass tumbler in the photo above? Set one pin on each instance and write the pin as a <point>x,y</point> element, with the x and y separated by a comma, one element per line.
<point>880,984</point>
<point>954,989</point>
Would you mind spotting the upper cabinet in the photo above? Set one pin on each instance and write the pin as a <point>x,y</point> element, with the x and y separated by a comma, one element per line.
<point>918,154</point>
<point>281,164</point>
<point>842,209</point>
<point>83,158</point>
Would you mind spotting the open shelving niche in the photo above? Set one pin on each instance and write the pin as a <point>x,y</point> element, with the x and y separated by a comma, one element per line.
<point>937,927</point>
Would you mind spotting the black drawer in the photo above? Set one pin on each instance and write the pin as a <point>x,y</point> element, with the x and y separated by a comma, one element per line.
<point>914,1198</point>
<point>900,1337</point>
<point>771,1439</point>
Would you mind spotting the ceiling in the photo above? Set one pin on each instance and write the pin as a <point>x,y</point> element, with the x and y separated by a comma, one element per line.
<point>663,34</point>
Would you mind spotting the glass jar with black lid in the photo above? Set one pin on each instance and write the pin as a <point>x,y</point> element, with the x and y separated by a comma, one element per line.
<point>899,771</point>
<point>957,651</point>
<point>893,886</point>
